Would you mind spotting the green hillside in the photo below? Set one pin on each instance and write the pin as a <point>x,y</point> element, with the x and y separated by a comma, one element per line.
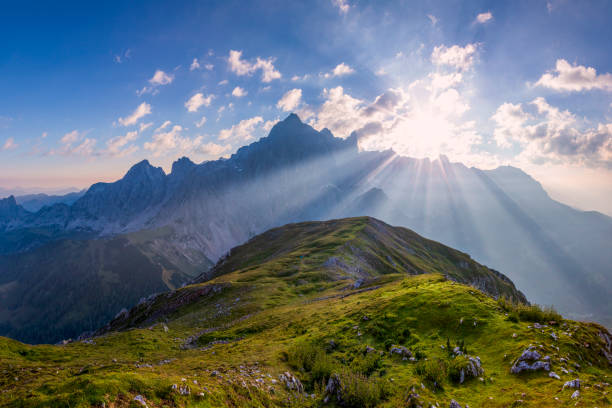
<point>71,286</point>
<point>345,313</point>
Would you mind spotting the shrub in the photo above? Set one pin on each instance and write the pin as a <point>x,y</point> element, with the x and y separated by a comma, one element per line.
<point>432,372</point>
<point>301,356</point>
<point>309,358</point>
<point>357,390</point>
<point>322,367</point>
<point>528,313</point>
<point>535,313</point>
<point>366,364</point>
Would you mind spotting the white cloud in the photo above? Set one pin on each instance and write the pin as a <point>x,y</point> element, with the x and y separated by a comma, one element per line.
<point>510,119</point>
<point>484,17</point>
<point>567,77</point>
<point>341,113</point>
<point>380,72</point>
<point>269,124</point>
<point>172,141</point>
<point>145,126</point>
<point>433,19</point>
<point>242,67</point>
<point>241,132</point>
<point>340,70</point>
<point>224,82</point>
<point>196,101</point>
<point>141,111</point>
<point>117,146</point>
<point>290,100</point>
<point>163,126</point>
<point>455,56</point>
<point>425,119</point>
<point>209,67</point>
<point>300,78</point>
<point>195,64</point>
<point>9,144</point>
<point>120,58</point>
<point>342,5</point>
<point>547,134</point>
<point>445,81</point>
<point>70,137</point>
<point>75,143</point>
<point>213,149</point>
<point>239,92</point>
<point>161,78</point>
<point>201,122</point>
<point>44,135</point>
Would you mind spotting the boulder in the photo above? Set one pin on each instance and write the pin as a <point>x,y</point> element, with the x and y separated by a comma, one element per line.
<point>140,399</point>
<point>572,384</point>
<point>291,382</point>
<point>401,351</point>
<point>530,361</point>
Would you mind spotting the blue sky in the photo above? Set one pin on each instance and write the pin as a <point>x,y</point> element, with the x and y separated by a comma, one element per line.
<point>88,90</point>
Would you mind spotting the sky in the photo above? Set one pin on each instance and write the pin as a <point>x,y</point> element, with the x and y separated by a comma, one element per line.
<point>88,89</point>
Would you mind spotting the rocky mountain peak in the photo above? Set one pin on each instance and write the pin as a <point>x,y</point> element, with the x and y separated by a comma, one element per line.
<point>182,166</point>
<point>144,169</point>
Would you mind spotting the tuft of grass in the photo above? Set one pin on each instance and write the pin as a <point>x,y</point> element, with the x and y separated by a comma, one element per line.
<point>433,372</point>
<point>528,313</point>
<point>357,390</point>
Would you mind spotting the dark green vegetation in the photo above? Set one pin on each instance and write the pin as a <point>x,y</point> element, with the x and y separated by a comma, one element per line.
<point>82,284</point>
<point>352,312</point>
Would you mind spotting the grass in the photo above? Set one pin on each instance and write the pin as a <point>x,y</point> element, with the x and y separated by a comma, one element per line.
<point>529,313</point>
<point>245,333</point>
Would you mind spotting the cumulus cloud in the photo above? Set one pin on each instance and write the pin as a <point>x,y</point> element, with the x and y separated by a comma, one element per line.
<point>243,67</point>
<point>119,146</point>
<point>145,126</point>
<point>484,17</point>
<point>196,101</point>
<point>195,64</point>
<point>456,56</point>
<point>269,124</point>
<point>342,5</point>
<point>568,77</point>
<point>213,149</point>
<point>424,119</point>
<point>545,133</point>
<point>141,111</point>
<point>241,132</point>
<point>433,19</point>
<point>9,144</point>
<point>290,100</point>
<point>209,67</point>
<point>164,142</point>
<point>340,70</point>
<point>239,92</point>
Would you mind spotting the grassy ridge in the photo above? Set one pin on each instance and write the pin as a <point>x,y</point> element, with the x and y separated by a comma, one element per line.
<point>280,308</point>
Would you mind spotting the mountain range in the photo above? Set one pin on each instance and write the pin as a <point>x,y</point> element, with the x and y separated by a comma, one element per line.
<point>176,226</point>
